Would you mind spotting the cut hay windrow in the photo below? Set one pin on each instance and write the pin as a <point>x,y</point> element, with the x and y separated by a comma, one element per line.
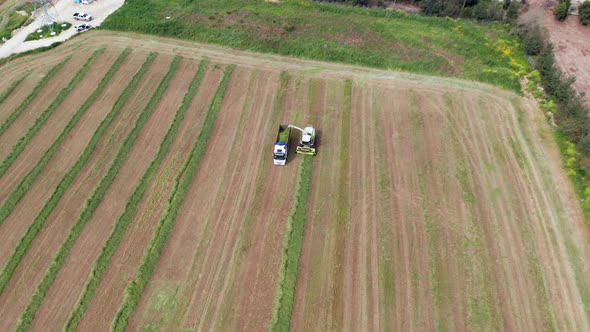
<point>182,182</point>
<point>292,244</point>
<point>34,228</point>
<point>13,86</point>
<point>12,117</point>
<point>26,317</point>
<point>108,250</point>
<point>17,194</point>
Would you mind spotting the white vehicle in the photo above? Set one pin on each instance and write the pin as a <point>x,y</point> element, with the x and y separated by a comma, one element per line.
<point>87,2</point>
<point>281,145</point>
<point>82,16</point>
<point>82,27</point>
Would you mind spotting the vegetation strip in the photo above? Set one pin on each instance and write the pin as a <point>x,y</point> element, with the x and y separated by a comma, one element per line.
<point>12,117</point>
<point>17,194</point>
<point>34,228</point>
<point>13,86</point>
<point>292,244</point>
<point>278,107</point>
<point>182,182</point>
<point>111,245</point>
<point>94,201</point>
<point>342,222</point>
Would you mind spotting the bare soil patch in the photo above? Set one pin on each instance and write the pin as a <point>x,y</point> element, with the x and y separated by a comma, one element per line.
<point>570,41</point>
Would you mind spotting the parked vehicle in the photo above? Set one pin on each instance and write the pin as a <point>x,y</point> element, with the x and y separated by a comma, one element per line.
<point>82,27</point>
<point>82,16</point>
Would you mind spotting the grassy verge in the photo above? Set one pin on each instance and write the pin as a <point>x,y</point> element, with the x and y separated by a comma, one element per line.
<point>24,185</point>
<point>12,117</point>
<point>13,86</point>
<point>25,241</point>
<point>12,57</point>
<point>26,317</point>
<point>152,253</point>
<point>111,245</point>
<point>292,243</point>
<point>227,320</point>
<point>370,37</point>
<point>46,31</point>
<point>15,21</point>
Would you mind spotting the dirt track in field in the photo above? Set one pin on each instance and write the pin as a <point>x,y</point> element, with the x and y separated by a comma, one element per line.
<point>434,204</point>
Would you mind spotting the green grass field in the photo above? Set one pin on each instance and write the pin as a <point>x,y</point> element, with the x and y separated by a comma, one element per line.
<point>370,37</point>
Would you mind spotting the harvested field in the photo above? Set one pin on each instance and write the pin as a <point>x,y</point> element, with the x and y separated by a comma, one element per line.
<point>432,203</point>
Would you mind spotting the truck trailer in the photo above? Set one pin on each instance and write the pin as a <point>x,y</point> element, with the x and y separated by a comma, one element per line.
<point>281,147</point>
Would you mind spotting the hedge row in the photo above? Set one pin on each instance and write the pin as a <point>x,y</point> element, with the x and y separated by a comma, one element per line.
<point>17,194</point>
<point>13,86</point>
<point>12,117</point>
<point>26,317</point>
<point>182,181</point>
<point>25,241</point>
<point>111,245</point>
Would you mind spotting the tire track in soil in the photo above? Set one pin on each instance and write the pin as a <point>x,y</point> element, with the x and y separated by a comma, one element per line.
<point>26,119</point>
<point>403,202</point>
<point>36,195</point>
<point>263,239</point>
<point>69,283</point>
<point>561,293</point>
<point>126,260</point>
<point>566,214</point>
<point>270,197</point>
<point>42,249</point>
<point>394,280</point>
<point>200,312</point>
<point>505,230</point>
<point>315,292</point>
<point>183,239</point>
<point>280,105</point>
<point>361,285</point>
<point>477,300</point>
<point>231,204</point>
<point>473,139</point>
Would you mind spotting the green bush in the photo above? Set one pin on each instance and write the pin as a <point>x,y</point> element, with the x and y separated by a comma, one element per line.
<point>584,12</point>
<point>584,145</point>
<point>112,243</point>
<point>46,31</point>
<point>560,11</point>
<point>181,183</point>
<point>532,39</point>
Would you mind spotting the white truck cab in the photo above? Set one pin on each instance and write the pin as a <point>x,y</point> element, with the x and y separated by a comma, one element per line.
<point>280,154</point>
